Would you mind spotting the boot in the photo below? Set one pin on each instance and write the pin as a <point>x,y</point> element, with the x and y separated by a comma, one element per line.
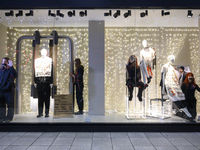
<point>149,79</point>
<point>46,113</point>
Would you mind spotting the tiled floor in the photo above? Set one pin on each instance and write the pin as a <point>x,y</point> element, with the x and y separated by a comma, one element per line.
<point>99,141</point>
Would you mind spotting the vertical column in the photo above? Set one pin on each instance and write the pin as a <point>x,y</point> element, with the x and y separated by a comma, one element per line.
<point>96,67</point>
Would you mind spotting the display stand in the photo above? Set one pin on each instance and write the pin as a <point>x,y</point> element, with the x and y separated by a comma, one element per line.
<point>160,108</point>
<point>135,109</point>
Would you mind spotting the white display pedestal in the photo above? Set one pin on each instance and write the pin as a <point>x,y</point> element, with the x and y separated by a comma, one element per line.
<point>135,109</point>
<point>160,108</point>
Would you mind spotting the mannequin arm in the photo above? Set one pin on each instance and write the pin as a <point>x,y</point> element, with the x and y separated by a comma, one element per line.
<point>163,79</point>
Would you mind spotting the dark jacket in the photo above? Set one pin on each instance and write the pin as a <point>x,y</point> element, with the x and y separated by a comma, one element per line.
<point>133,72</point>
<point>189,91</point>
<point>79,75</point>
<point>7,77</point>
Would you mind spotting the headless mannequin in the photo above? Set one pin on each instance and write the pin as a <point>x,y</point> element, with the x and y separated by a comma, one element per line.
<point>146,55</point>
<point>174,92</point>
<point>43,81</point>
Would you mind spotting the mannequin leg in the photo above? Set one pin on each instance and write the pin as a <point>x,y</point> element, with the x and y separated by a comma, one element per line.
<point>130,89</point>
<point>140,85</point>
<point>79,98</point>
<point>47,99</point>
<point>40,89</point>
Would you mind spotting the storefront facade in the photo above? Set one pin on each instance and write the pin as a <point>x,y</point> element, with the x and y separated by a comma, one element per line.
<point>104,36</point>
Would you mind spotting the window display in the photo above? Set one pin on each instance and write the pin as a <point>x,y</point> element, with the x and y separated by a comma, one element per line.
<point>43,81</point>
<point>150,44</point>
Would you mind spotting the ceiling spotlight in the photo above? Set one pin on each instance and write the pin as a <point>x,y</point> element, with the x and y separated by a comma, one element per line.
<point>20,13</point>
<point>108,13</point>
<point>190,14</point>
<point>127,14</point>
<point>143,14</point>
<point>82,13</point>
<point>9,13</point>
<point>51,14</point>
<point>30,13</point>
<point>70,13</point>
<point>59,14</point>
<point>165,13</point>
<point>116,14</point>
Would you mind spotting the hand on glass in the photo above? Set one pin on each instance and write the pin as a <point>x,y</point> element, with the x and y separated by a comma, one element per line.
<point>51,85</point>
<point>139,80</point>
<point>35,85</point>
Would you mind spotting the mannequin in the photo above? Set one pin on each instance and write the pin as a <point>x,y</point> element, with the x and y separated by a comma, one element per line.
<point>147,55</point>
<point>43,81</point>
<point>174,92</point>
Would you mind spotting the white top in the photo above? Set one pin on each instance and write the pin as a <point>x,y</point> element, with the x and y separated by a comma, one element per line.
<point>43,67</point>
<point>172,86</point>
<point>147,54</point>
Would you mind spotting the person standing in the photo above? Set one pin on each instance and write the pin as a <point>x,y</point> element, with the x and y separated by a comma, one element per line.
<point>7,76</point>
<point>182,75</point>
<point>188,87</point>
<point>78,79</point>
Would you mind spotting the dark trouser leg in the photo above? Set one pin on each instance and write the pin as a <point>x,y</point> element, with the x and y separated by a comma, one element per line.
<point>182,105</point>
<point>40,99</point>
<point>140,85</point>
<point>130,89</point>
<point>47,98</point>
<point>10,105</point>
<point>2,106</point>
<point>79,96</point>
<point>192,107</point>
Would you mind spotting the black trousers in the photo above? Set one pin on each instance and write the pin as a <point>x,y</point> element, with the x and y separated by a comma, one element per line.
<point>191,106</point>
<point>43,97</point>
<point>7,99</point>
<point>79,95</point>
<point>131,84</point>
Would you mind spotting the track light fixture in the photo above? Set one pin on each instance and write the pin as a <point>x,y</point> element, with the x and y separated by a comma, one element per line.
<point>30,13</point>
<point>51,14</point>
<point>11,13</point>
<point>82,13</point>
<point>20,13</point>
<point>108,13</point>
<point>127,14</point>
<point>163,13</point>
<point>70,13</point>
<point>143,14</point>
<point>58,13</point>
<point>190,14</point>
<point>116,14</point>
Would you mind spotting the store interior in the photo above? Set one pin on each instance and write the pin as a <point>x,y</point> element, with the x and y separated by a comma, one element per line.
<point>168,32</point>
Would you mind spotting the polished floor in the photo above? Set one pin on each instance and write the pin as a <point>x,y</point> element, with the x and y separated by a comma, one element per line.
<point>108,118</point>
<point>99,141</point>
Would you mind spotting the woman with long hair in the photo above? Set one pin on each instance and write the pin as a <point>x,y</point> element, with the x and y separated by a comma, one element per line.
<point>188,87</point>
<point>78,80</point>
<point>134,77</point>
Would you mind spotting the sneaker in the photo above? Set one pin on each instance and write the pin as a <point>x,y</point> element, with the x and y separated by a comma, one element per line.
<point>78,113</point>
<point>39,115</point>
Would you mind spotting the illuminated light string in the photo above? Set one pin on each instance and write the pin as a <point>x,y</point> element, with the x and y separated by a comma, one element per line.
<point>120,43</point>
<point>81,51</point>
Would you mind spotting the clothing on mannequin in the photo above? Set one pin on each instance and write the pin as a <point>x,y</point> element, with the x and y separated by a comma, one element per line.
<point>174,92</point>
<point>43,81</point>
<point>147,55</point>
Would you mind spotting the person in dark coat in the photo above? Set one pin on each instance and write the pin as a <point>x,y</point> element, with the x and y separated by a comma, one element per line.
<point>7,76</point>
<point>78,80</point>
<point>182,75</point>
<point>189,87</point>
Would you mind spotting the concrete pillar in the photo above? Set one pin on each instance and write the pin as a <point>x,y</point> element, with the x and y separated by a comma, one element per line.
<point>96,67</point>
